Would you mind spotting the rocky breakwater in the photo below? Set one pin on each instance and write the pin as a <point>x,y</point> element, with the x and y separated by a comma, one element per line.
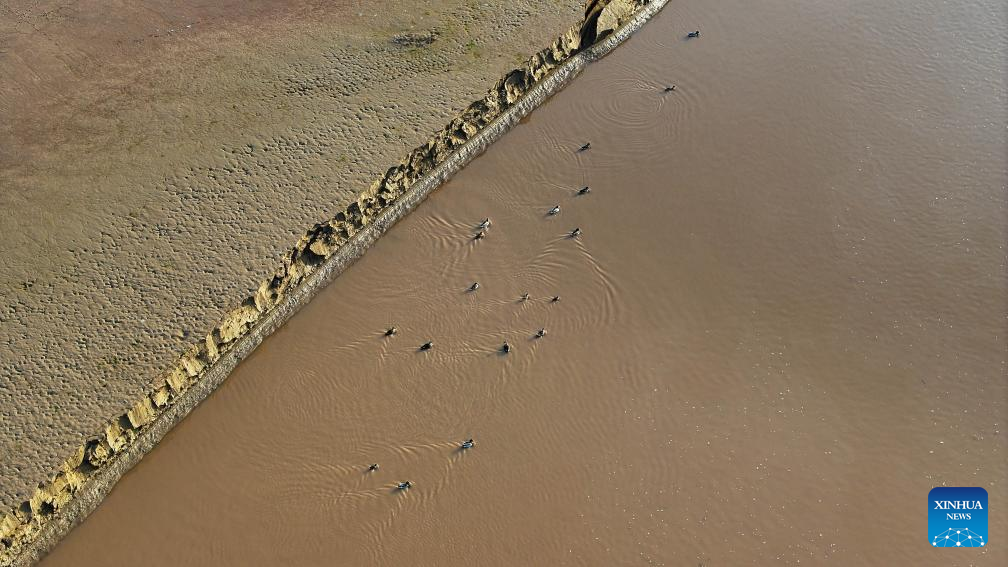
<point>32,527</point>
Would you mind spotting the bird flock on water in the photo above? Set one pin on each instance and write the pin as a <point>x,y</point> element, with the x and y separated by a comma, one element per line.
<point>481,232</point>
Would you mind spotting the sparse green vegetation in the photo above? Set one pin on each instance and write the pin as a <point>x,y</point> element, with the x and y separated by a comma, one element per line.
<point>473,50</point>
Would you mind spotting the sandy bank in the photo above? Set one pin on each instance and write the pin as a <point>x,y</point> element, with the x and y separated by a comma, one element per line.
<point>320,254</point>
<point>153,172</point>
<point>159,158</point>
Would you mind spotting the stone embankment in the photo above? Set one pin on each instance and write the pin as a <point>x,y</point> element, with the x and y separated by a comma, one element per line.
<point>30,529</point>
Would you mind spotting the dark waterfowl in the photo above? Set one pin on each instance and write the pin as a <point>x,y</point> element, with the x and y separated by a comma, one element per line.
<point>373,467</point>
<point>584,190</point>
<point>391,331</point>
<point>575,233</point>
<point>554,210</point>
<point>540,333</point>
<point>585,147</point>
<point>525,297</point>
<point>485,223</point>
<point>474,286</point>
<point>506,348</point>
<point>480,235</point>
<point>670,89</point>
<point>427,345</point>
<point>555,298</point>
<point>468,444</point>
<point>693,34</point>
<point>404,485</point>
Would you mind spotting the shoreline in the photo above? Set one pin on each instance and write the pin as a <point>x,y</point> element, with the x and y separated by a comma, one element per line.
<point>321,255</point>
<point>209,170</point>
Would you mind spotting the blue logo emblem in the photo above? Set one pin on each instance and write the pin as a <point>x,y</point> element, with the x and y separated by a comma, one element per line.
<point>957,516</point>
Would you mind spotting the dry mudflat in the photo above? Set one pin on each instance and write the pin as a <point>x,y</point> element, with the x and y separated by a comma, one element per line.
<point>157,157</point>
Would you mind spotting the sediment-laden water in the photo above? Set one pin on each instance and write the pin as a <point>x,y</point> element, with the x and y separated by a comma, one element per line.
<point>782,324</point>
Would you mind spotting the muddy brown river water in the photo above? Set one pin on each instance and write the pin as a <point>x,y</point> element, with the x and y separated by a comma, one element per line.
<point>783,324</point>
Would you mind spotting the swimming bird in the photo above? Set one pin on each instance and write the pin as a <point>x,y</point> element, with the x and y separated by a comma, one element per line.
<point>585,147</point>
<point>575,233</point>
<point>541,333</point>
<point>554,210</point>
<point>373,467</point>
<point>485,223</point>
<point>506,348</point>
<point>670,89</point>
<point>467,444</point>
<point>474,286</point>
<point>693,34</point>
<point>555,298</point>
<point>391,331</point>
<point>584,190</point>
<point>480,235</point>
<point>404,485</point>
<point>525,297</point>
<point>427,345</point>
